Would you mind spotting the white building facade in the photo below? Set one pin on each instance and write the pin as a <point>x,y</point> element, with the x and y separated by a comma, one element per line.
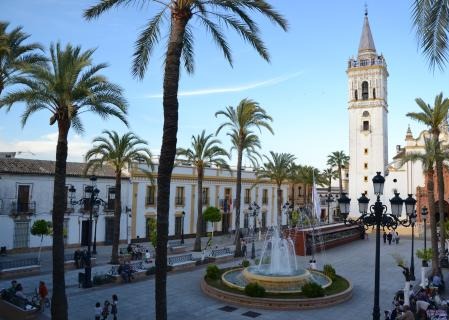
<point>368,110</point>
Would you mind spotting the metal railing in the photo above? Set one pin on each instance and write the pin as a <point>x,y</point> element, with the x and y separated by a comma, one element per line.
<point>150,201</point>
<point>20,207</point>
<point>179,201</point>
<point>9,264</point>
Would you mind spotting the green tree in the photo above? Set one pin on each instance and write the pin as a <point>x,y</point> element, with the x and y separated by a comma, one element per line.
<point>435,117</point>
<point>338,160</point>
<point>241,121</point>
<point>67,87</point>
<point>277,169</point>
<point>15,56</point>
<point>118,152</point>
<point>41,228</point>
<point>212,214</point>
<point>428,160</point>
<point>180,15</point>
<point>205,152</point>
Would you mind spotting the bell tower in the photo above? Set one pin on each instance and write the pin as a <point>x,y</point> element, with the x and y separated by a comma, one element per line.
<point>368,110</point>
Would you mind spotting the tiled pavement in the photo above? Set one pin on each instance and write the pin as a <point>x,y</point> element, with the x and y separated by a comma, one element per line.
<point>186,301</point>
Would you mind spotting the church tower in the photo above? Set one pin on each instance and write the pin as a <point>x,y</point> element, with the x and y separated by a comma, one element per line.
<point>368,109</point>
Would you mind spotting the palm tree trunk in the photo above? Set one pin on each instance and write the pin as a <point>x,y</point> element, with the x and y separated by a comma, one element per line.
<point>199,219</point>
<point>117,216</point>
<point>167,157</point>
<point>59,298</point>
<point>238,247</point>
<point>433,223</point>
<point>279,217</point>
<point>440,183</point>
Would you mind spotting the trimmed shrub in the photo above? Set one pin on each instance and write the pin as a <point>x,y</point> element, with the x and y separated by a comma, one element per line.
<point>100,279</point>
<point>246,263</point>
<point>254,290</point>
<point>213,272</point>
<point>312,290</point>
<point>329,271</point>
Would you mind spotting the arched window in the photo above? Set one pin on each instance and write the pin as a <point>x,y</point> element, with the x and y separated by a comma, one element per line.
<point>356,95</point>
<point>374,93</point>
<point>365,90</point>
<point>365,114</point>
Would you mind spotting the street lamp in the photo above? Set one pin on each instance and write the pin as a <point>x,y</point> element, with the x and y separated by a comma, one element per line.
<point>424,216</point>
<point>377,216</point>
<point>253,211</point>
<point>94,247</point>
<point>92,199</point>
<point>182,227</point>
<point>410,207</point>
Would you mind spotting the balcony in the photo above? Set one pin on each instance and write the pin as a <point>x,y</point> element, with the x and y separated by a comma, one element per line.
<point>179,201</point>
<point>150,201</point>
<point>20,207</point>
<point>264,200</point>
<point>246,200</point>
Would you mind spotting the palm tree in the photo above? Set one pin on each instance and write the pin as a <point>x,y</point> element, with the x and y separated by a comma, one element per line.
<point>428,160</point>
<point>15,56</point>
<point>241,121</point>
<point>277,169</point>
<point>431,20</point>
<point>205,152</point>
<point>67,87</point>
<point>338,160</point>
<point>435,117</point>
<point>180,15</point>
<point>118,152</point>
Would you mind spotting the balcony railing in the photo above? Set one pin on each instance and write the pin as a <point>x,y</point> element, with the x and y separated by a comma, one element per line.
<point>21,207</point>
<point>179,201</point>
<point>150,201</point>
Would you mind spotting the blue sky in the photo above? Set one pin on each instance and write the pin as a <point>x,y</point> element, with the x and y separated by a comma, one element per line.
<point>304,87</point>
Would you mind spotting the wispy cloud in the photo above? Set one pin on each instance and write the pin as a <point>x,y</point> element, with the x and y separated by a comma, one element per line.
<point>240,88</point>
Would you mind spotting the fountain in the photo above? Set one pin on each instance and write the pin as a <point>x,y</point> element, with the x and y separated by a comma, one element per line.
<point>277,270</point>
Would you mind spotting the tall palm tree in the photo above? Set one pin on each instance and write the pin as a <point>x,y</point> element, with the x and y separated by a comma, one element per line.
<point>15,56</point>
<point>118,152</point>
<point>435,117</point>
<point>428,160</point>
<point>247,116</point>
<point>205,152</point>
<point>431,20</point>
<point>180,15</point>
<point>338,160</point>
<point>66,87</point>
<point>277,169</point>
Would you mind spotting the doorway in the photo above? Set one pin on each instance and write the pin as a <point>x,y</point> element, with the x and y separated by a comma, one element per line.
<point>109,231</point>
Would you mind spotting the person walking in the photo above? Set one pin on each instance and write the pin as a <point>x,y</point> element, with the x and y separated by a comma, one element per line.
<point>43,293</point>
<point>97,311</point>
<point>385,237</point>
<point>114,303</point>
<point>105,311</point>
<point>396,237</point>
<point>389,237</point>
<point>244,248</point>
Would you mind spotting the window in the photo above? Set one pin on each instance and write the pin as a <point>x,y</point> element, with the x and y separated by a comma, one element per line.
<point>150,196</point>
<point>227,202</point>
<point>365,125</point>
<point>23,198</point>
<point>356,95</point>
<point>66,198</point>
<point>374,93</point>
<point>365,114</point>
<point>179,200</point>
<point>365,178</point>
<point>111,198</point>
<point>245,221</point>
<point>365,165</point>
<point>365,151</point>
<point>247,198</point>
<point>300,191</point>
<point>178,226</point>
<point>265,196</point>
<point>205,196</point>
<point>365,90</point>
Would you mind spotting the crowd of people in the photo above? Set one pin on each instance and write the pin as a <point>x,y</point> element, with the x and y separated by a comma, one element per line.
<point>16,290</point>
<point>392,236</point>
<point>108,308</point>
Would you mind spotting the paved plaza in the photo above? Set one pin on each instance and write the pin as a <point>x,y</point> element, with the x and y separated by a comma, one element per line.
<point>354,261</point>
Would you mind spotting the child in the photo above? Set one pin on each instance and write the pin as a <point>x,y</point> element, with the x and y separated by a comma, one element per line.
<point>97,311</point>
<point>114,306</point>
<point>105,311</point>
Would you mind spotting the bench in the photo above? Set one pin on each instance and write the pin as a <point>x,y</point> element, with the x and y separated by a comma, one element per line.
<point>176,246</point>
<point>223,254</point>
<point>17,308</point>
<point>181,262</point>
<point>19,268</point>
<point>69,262</point>
<point>137,267</point>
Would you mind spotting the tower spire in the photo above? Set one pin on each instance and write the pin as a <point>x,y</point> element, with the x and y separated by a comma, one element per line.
<point>366,44</point>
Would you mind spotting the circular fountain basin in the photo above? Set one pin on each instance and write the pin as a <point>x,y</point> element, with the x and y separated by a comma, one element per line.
<point>274,283</point>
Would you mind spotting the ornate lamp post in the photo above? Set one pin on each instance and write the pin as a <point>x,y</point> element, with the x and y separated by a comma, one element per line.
<point>410,207</point>
<point>377,216</point>
<point>424,216</point>
<point>253,211</point>
<point>182,227</point>
<point>92,199</point>
<point>94,247</point>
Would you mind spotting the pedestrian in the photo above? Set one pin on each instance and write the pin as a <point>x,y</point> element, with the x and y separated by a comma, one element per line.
<point>114,303</point>
<point>396,236</point>
<point>97,311</point>
<point>76,258</point>
<point>13,287</point>
<point>105,311</point>
<point>82,258</point>
<point>389,237</point>
<point>244,248</point>
<point>147,256</point>
<point>43,293</point>
<point>385,237</point>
